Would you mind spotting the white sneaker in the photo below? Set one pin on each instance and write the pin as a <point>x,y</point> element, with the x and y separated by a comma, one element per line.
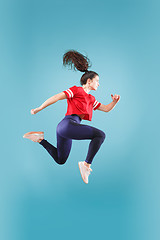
<point>85,171</point>
<point>34,136</point>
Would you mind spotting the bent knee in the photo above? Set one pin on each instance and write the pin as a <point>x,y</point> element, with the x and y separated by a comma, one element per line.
<point>61,161</point>
<point>102,135</point>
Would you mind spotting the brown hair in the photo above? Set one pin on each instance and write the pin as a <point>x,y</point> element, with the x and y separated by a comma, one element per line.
<point>80,62</point>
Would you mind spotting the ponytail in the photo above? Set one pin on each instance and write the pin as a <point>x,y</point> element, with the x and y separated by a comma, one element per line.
<point>80,62</point>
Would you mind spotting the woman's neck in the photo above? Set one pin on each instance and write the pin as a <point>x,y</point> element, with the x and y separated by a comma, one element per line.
<point>86,88</point>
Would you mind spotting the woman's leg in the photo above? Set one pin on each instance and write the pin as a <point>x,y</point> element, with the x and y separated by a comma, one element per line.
<point>70,128</point>
<point>61,153</point>
<point>79,131</point>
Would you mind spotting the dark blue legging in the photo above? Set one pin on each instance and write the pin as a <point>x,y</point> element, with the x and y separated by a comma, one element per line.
<point>70,128</point>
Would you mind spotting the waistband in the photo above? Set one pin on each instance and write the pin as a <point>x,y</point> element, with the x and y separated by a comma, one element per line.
<point>75,117</point>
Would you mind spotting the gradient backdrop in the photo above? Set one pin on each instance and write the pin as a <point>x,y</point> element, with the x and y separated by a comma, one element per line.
<point>40,199</point>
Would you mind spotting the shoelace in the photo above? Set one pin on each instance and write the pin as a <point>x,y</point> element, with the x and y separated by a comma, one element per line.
<point>88,170</point>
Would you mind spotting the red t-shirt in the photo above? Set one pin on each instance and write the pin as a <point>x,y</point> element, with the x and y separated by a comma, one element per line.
<point>80,102</point>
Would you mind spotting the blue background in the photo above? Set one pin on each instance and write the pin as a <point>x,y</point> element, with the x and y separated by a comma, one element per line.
<point>40,199</point>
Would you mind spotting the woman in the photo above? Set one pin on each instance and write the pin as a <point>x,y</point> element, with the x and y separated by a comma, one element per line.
<point>80,106</point>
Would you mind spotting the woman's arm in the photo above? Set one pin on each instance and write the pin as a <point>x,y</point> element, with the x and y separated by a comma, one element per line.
<point>106,108</point>
<point>49,101</point>
<point>110,106</point>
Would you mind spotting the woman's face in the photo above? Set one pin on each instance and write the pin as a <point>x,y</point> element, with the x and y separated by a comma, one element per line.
<point>94,83</point>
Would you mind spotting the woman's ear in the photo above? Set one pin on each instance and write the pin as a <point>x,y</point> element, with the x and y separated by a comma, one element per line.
<point>89,80</point>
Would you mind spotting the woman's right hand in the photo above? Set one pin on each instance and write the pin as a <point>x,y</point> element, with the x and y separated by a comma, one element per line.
<point>34,111</point>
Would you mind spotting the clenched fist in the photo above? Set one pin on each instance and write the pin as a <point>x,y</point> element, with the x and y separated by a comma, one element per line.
<point>115,98</point>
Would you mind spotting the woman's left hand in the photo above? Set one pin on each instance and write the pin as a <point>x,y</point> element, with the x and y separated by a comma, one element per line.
<point>115,98</point>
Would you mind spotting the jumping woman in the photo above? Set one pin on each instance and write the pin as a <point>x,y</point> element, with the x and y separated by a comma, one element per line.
<point>80,106</point>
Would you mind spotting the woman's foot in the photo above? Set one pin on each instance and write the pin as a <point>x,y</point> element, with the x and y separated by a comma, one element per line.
<point>85,171</point>
<point>34,136</point>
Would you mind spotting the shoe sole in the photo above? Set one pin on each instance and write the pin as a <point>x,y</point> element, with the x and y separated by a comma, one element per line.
<point>35,133</point>
<point>34,136</point>
<point>81,173</point>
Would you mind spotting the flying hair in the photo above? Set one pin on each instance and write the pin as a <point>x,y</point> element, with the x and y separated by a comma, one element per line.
<point>78,61</point>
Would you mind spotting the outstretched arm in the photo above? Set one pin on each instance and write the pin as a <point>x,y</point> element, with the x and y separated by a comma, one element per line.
<point>110,106</point>
<point>49,101</point>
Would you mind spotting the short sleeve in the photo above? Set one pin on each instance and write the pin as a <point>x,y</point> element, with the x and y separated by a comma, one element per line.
<point>70,92</point>
<point>96,105</point>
